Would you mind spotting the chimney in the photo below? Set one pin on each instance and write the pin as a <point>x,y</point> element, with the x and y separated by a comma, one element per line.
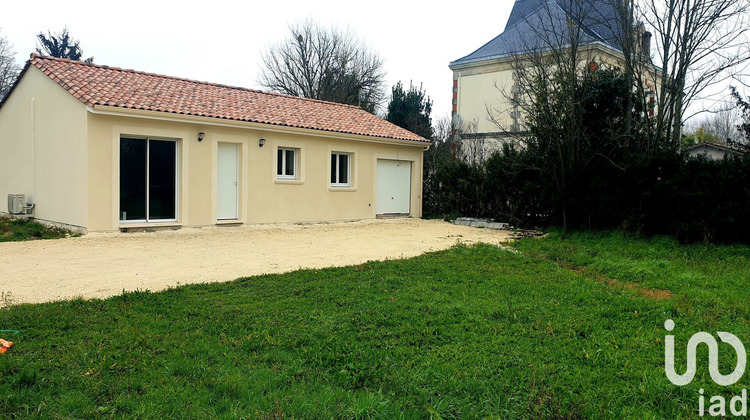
<point>646,44</point>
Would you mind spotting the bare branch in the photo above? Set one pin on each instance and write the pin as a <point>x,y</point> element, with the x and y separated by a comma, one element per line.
<point>700,43</point>
<point>8,68</point>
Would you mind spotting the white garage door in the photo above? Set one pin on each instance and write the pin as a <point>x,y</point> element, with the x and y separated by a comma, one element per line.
<point>394,187</point>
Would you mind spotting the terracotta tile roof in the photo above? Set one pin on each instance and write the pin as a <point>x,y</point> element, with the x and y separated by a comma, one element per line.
<point>109,86</point>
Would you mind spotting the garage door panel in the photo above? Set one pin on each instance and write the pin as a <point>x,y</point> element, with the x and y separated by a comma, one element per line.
<point>393,187</point>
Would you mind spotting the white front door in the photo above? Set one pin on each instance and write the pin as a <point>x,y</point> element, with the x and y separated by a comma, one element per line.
<point>394,187</point>
<point>228,185</point>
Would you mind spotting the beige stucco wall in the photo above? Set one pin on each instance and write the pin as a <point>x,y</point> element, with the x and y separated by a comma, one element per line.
<point>263,198</point>
<point>43,149</point>
<point>483,87</point>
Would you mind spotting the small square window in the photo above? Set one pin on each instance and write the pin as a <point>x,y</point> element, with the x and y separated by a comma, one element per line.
<point>340,176</point>
<point>286,163</point>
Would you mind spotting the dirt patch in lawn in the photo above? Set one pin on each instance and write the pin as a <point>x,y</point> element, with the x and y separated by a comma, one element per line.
<point>523,234</point>
<point>105,264</point>
<point>656,294</point>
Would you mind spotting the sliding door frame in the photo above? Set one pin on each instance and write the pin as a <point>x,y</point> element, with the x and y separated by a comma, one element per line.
<point>148,219</point>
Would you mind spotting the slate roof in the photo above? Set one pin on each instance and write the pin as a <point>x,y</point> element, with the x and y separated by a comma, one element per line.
<point>535,24</point>
<point>115,87</point>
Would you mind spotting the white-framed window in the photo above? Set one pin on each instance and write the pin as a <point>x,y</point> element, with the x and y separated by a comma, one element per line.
<point>287,163</point>
<point>340,169</point>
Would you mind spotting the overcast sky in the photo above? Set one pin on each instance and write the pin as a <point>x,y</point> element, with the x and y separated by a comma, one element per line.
<point>221,41</point>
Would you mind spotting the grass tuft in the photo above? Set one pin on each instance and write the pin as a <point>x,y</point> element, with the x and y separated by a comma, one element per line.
<point>13,230</point>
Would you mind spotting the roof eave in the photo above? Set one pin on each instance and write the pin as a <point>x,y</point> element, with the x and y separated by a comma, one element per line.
<point>461,63</point>
<point>715,146</point>
<point>173,117</point>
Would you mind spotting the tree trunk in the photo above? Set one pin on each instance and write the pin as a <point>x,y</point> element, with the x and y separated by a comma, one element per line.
<point>677,120</point>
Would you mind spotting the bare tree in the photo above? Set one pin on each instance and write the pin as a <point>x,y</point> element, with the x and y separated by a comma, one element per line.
<point>440,151</point>
<point>444,150</point>
<point>8,67</point>
<point>634,41</point>
<point>699,44</point>
<point>473,146</point>
<point>327,64</point>
<point>723,124</point>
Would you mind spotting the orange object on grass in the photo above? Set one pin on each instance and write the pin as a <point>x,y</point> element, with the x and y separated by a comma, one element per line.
<point>5,345</point>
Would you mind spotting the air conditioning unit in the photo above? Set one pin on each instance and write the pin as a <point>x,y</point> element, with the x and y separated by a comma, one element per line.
<point>16,203</point>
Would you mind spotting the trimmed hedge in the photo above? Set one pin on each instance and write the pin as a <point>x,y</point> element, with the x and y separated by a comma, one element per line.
<point>692,199</point>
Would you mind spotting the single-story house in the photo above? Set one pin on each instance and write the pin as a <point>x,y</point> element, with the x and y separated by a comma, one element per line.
<point>98,148</point>
<point>712,151</point>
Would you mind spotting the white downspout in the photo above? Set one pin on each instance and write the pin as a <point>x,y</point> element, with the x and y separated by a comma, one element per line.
<point>33,152</point>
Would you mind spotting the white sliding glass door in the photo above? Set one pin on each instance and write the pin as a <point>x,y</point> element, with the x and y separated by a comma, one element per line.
<point>148,179</point>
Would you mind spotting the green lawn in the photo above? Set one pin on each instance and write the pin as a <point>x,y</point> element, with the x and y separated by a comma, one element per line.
<point>564,329</point>
<point>12,230</point>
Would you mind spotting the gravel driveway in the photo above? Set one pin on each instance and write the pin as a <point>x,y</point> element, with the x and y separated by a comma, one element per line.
<point>105,264</point>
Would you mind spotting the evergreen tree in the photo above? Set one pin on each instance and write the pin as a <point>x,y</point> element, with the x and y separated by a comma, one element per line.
<point>60,45</point>
<point>411,109</point>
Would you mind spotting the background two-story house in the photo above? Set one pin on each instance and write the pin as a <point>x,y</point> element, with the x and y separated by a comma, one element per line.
<point>485,90</point>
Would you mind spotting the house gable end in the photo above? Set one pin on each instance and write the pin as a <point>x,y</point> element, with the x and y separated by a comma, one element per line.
<point>43,149</point>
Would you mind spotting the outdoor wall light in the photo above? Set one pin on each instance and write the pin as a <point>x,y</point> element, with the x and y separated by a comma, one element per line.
<point>261,142</point>
<point>201,135</point>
